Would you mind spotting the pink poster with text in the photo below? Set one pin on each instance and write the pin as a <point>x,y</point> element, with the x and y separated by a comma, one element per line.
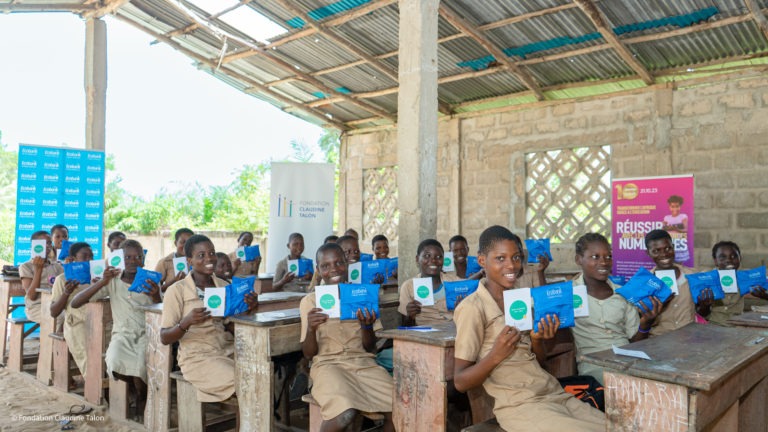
<point>644,204</point>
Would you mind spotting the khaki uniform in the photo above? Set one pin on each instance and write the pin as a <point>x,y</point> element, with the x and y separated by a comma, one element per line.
<point>430,315</point>
<point>165,266</point>
<point>27,271</point>
<point>344,374</point>
<point>127,349</point>
<point>725,309</point>
<point>612,321</point>
<point>247,268</point>
<point>75,329</point>
<point>681,311</point>
<point>281,270</point>
<point>526,398</point>
<point>206,351</point>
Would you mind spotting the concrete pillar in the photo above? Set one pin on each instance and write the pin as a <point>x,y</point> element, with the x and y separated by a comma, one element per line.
<point>417,129</point>
<point>95,83</point>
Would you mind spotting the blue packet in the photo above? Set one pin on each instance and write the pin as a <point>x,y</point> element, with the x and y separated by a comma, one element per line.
<point>252,252</point>
<point>391,267</point>
<point>366,257</point>
<point>300,267</point>
<point>643,285</point>
<point>139,284</point>
<point>64,252</point>
<point>537,247</point>
<point>617,280</point>
<point>79,271</point>
<point>698,282</point>
<point>459,288</point>
<point>746,279</point>
<point>472,265</point>
<point>236,291</point>
<point>553,299</point>
<point>251,280</point>
<point>358,296</point>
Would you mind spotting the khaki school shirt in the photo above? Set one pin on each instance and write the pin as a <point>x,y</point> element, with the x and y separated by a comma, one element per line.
<point>681,311</point>
<point>165,266</point>
<point>281,270</point>
<point>246,268</point>
<point>430,315</point>
<point>47,278</point>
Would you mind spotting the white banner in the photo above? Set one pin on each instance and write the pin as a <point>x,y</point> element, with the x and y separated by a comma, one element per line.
<point>301,200</point>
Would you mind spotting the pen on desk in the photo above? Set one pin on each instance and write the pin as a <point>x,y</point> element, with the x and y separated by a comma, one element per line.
<point>757,341</point>
<point>414,328</point>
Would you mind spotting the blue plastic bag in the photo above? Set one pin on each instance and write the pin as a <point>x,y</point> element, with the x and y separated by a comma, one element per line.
<point>304,267</point>
<point>353,297</point>
<point>79,271</point>
<point>643,285</point>
<point>472,265</point>
<point>64,252</point>
<point>366,257</point>
<point>746,279</point>
<point>371,272</point>
<point>139,284</point>
<point>617,280</point>
<point>235,303</point>
<point>459,288</point>
<point>391,267</point>
<point>698,282</point>
<point>252,252</point>
<point>251,280</point>
<point>537,247</point>
<point>553,299</point>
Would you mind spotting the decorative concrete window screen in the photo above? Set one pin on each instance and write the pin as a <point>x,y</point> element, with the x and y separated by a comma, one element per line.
<point>380,212</point>
<point>568,193</point>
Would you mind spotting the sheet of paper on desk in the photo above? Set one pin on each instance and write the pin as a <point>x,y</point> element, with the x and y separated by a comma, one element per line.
<point>419,329</point>
<point>630,353</point>
<point>764,317</point>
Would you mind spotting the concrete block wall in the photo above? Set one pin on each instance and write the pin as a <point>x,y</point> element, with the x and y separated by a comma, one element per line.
<point>716,130</point>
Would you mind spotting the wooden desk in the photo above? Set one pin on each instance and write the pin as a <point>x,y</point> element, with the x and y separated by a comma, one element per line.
<point>701,377</point>
<point>98,319</point>
<point>750,319</point>
<point>9,288</point>
<point>279,300</point>
<point>47,326</point>
<point>157,414</point>
<point>423,366</point>
<point>264,283</point>
<point>258,338</point>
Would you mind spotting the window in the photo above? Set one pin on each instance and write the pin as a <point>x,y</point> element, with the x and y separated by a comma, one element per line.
<point>380,212</point>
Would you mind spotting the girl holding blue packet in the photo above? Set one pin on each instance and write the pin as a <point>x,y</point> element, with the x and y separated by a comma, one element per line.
<point>125,357</point>
<point>346,378</point>
<point>612,320</point>
<point>37,273</point>
<point>285,280</point>
<point>165,265</point>
<point>241,267</point>
<point>726,256</point>
<point>206,345</point>
<point>460,249</point>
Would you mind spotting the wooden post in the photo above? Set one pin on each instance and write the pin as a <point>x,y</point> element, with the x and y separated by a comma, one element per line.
<point>95,83</point>
<point>97,315</point>
<point>118,399</point>
<point>47,324</point>
<point>5,306</point>
<point>157,414</point>
<point>61,373</point>
<point>417,129</point>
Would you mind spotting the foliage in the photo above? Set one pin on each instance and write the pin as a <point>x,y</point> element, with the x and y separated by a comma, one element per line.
<point>8,163</point>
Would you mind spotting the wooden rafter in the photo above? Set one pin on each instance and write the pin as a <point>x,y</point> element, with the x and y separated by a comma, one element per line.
<point>194,26</point>
<point>218,32</point>
<point>600,21</point>
<point>469,29</point>
<point>758,16</point>
<point>250,81</point>
<point>105,8</point>
<point>45,7</point>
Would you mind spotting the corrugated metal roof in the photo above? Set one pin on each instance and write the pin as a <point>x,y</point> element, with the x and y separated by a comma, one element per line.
<point>558,45</point>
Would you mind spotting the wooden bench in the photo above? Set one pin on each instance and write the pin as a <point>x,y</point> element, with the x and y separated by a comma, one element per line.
<point>16,352</point>
<point>315,420</point>
<point>10,287</point>
<point>191,412</point>
<point>61,366</point>
<point>490,425</point>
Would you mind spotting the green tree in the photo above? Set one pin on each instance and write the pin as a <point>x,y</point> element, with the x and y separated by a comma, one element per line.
<point>8,167</point>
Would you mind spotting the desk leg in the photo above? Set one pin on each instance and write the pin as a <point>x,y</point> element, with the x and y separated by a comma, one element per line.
<point>254,378</point>
<point>753,414</point>
<point>633,404</point>
<point>159,363</point>
<point>5,305</point>
<point>97,315</point>
<point>45,356</point>
<point>421,375</point>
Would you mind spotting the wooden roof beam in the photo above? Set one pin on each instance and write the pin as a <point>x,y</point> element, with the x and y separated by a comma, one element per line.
<point>76,8</point>
<point>758,16</point>
<point>194,26</point>
<point>600,21</point>
<point>107,7</point>
<point>469,29</point>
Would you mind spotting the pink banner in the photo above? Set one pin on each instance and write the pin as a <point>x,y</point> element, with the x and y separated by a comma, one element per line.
<point>644,204</point>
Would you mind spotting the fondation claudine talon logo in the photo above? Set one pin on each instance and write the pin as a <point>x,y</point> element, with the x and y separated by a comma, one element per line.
<point>284,206</point>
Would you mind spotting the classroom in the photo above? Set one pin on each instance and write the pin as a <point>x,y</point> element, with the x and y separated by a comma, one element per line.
<point>614,148</point>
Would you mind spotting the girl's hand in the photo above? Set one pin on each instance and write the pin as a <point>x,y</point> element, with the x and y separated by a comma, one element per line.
<point>505,344</point>
<point>70,287</point>
<point>543,263</point>
<point>287,278</point>
<point>412,309</point>
<point>69,259</point>
<point>152,289</point>
<point>706,298</point>
<point>196,316</point>
<point>252,300</point>
<point>38,263</point>
<point>648,316</point>
<point>110,273</point>
<point>547,328</point>
<point>365,317</point>
<point>308,276</point>
<point>759,292</point>
<point>315,317</point>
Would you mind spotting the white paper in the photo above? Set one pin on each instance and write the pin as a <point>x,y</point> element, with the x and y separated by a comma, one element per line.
<point>448,264</point>
<point>422,291</point>
<point>39,249</point>
<point>422,330</point>
<point>580,299</point>
<point>180,265</point>
<point>355,273</point>
<point>293,266</point>
<point>327,299</point>
<point>764,317</point>
<point>669,278</point>
<point>517,308</point>
<point>97,268</point>
<point>215,300</point>
<point>240,253</point>
<point>728,281</point>
<point>630,353</point>
<point>116,259</point>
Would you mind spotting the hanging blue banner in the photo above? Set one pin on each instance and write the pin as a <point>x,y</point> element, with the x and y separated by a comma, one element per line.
<point>59,185</point>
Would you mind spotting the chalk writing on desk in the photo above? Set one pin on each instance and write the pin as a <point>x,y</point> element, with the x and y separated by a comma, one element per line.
<point>646,404</point>
<point>157,374</point>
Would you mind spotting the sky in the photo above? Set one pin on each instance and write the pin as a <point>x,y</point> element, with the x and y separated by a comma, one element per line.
<point>168,124</point>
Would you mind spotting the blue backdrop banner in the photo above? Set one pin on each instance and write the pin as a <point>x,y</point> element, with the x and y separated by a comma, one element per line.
<point>59,185</point>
